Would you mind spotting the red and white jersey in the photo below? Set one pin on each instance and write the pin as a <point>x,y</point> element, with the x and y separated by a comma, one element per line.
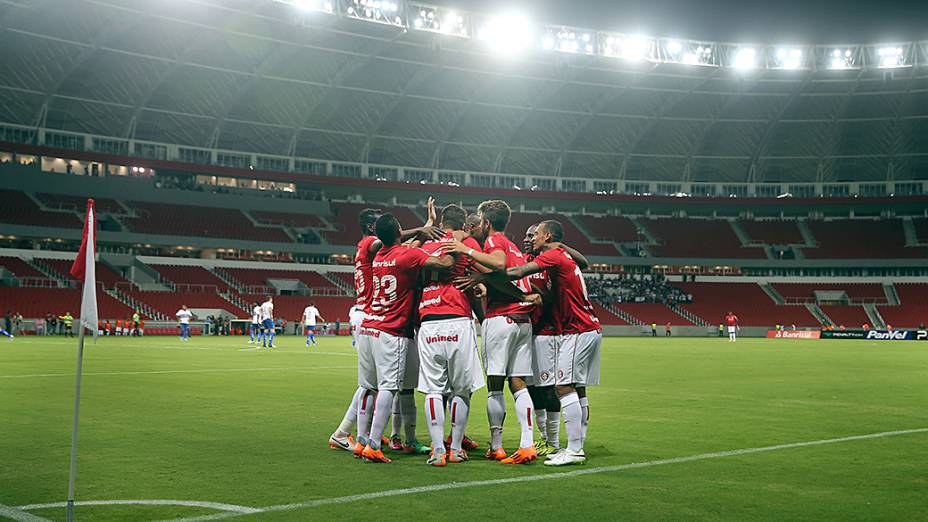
<point>362,271</point>
<point>439,295</point>
<point>731,320</point>
<point>573,303</point>
<point>496,304</point>
<point>545,320</point>
<point>393,301</point>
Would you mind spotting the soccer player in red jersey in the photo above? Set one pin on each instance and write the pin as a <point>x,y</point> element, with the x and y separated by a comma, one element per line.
<point>363,259</point>
<point>731,320</point>
<point>382,340</point>
<point>506,333</point>
<point>546,334</point>
<point>578,352</point>
<point>447,343</point>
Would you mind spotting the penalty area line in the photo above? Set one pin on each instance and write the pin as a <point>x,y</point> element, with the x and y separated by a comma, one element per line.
<point>19,515</point>
<point>219,506</point>
<point>203,370</point>
<point>551,476</point>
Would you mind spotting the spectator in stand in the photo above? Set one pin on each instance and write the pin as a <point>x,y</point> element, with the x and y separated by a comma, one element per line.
<point>865,326</point>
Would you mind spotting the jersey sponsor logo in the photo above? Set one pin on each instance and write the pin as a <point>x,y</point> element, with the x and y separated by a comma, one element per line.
<point>384,264</point>
<point>431,288</point>
<point>430,302</point>
<point>442,338</point>
<point>370,332</point>
<point>544,376</point>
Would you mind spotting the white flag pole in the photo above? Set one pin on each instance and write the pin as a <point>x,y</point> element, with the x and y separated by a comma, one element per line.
<point>88,319</point>
<point>77,404</point>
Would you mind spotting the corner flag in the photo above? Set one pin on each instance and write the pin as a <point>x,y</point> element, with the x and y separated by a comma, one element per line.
<point>84,270</point>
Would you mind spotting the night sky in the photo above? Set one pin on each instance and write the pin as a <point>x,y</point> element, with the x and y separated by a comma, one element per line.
<point>749,21</point>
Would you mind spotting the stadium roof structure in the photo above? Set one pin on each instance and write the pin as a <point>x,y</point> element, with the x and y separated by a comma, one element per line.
<point>264,77</point>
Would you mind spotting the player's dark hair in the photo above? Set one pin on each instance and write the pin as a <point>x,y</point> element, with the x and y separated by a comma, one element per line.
<point>553,227</point>
<point>497,213</point>
<point>453,216</point>
<point>387,229</point>
<point>367,218</point>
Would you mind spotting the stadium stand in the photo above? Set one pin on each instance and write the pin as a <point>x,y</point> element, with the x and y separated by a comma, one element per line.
<point>168,303</point>
<point>345,220</point>
<point>849,316</point>
<point>711,301</point>
<point>62,268</point>
<point>256,277</point>
<point>288,219</point>
<point>573,236</point>
<point>195,277</point>
<point>777,232</point>
<point>861,239</point>
<point>20,268</point>
<point>19,209</point>
<point>913,310</point>
<point>606,317</point>
<point>346,278</point>
<point>856,292</point>
<point>290,307</point>
<point>182,220</point>
<point>698,238</point>
<point>79,203</point>
<point>648,313</point>
<point>921,229</point>
<point>36,302</point>
<point>618,229</point>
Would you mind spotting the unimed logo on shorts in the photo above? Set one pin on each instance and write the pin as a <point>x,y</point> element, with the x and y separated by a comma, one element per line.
<point>442,339</point>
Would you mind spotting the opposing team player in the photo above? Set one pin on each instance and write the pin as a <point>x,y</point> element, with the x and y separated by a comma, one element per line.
<point>447,344</point>
<point>367,248</point>
<point>310,315</point>
<point>506,332</point>
<point>183,316</point>
<point>256,334</point>
<point>732,321</point>
<point>578,352</point>
<point>267,322</point>
<point>383,342</point>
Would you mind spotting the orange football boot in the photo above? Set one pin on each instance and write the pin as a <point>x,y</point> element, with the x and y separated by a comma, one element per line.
<point>374,456</point>
<point>521,456</point>
<point>496,454</point>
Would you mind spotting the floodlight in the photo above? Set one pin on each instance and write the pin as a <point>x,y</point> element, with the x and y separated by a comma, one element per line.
<point>325,6</point>
<point>841,58</point>
<point>787,58</point>
<point>627,47</point>
<point>379,11</point>
<point>890,57</point>
<point>507,34</point>
<point>686,52</point>
<point>745,58</point>
<point>439,20</point>
<point>567,40</point>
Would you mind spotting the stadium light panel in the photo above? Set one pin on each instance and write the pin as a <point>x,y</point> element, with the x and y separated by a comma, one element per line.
<point>686,52</point>
<point>567,40</point>
<point>790,58</point>
<point>627,47</point>
<point>379,11</point>
<point>439,20</point>
<point>889,57</point>
<point>507,34</point>
<point>325,6</point>
<point>745,58</point>
<point>841,58</point>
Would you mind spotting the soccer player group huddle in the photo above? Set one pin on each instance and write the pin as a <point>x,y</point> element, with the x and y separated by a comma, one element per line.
<point>420,291</point>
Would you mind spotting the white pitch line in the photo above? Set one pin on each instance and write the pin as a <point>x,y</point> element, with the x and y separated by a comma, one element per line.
<point>20,516</point>
<point>549,476</point>
<point>219,506</point>
<point>162,372</point>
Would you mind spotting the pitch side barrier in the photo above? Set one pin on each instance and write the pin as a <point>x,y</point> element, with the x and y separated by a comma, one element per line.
<point>877,335</point>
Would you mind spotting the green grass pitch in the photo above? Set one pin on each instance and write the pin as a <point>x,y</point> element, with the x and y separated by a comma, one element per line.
<point>211,421</point>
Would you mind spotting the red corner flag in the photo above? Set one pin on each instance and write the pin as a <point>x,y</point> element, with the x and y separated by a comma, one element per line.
<point>84,270</point>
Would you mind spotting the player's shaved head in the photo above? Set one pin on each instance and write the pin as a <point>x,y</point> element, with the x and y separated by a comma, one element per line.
<point>551,228</point>
<point>496,212</point>
<point>387,228</point>
<point>367,218</point>
<point>453,217</point>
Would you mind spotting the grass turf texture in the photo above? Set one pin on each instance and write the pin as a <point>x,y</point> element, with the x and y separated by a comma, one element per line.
<point>249,427</point>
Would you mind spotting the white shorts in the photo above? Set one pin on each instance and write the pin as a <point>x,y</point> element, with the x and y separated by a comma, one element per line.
<point>507,347</point>
<point>411,366</point>
<point>448,359</point>
<point>381,360</point>
<point>578,359</point>
<point>732,329</point>
<point>544,360</point>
